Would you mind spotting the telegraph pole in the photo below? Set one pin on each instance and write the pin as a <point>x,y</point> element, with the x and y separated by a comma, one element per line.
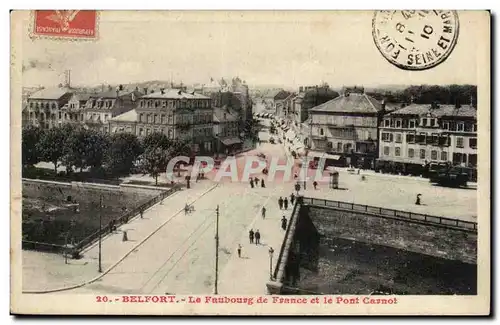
<point>216,250</point>
<point>100,232</point>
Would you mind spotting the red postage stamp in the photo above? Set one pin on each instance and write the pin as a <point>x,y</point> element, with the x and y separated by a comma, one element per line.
<point>77,24</point>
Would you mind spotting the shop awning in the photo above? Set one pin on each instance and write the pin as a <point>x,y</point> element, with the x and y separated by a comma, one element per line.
<point>230,141</point>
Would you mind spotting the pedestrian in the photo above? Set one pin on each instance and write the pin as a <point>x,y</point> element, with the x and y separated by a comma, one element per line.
<point>315,184</point>
<point>292,198</point>
<point>251,182</point>
<point>417,202</point>
<point>283,223</point>
<point>256,181</point>
<point>239,250</point>
<point>262,184</point>
<point>285,203</point>
<point>251,235</point>
<point>263,212</point>
<point>257,237</point>
<point>280,202</point>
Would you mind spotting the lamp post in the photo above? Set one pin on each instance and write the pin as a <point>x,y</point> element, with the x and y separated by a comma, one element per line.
<point>216,250</point>
<point>271,252</point>
<point>100,234</point>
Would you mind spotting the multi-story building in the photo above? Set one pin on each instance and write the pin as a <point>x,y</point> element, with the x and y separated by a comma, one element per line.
<point>347,126</point>
<point>44,107</point>
<point>105,105</point>
<point>280,103</point>
<point>418,134</point>
<point>74,110</point>
<point>185,116</point>
<point>126,122</point>
<point>226,131</point>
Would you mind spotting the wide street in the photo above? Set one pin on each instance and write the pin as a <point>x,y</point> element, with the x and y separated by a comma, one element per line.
<point>179,255</point>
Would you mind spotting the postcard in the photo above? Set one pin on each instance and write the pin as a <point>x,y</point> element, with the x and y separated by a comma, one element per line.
<point>250,162</point>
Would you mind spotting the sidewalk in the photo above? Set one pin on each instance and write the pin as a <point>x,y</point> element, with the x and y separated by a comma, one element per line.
<point>249,274</point>
<point>49,271</point>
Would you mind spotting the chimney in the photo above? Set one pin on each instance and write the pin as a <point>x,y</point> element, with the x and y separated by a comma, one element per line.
<point>162,90</point>
<point>136,88</point>
<point>179,92</point>
<point>383,103</point>
<point>152,91</point>
<point>457,104</point>
<point>145,90</point>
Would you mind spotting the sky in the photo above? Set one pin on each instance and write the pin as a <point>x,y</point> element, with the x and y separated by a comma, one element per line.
<point>279,48</point>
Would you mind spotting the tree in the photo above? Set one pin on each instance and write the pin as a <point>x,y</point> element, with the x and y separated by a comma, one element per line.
<point>156,160</point>
<point>96,147</point>
<point>85,148</point>
<point>52,146</point>
<point>156,139</point>
<point>30,137</point>
<point>123,151</point>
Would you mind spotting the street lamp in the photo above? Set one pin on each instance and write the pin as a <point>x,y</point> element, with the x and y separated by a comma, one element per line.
<point>271,252</point>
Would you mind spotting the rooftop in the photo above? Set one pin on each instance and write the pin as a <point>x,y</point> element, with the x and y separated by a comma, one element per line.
<point>50,93</point>
<point>219,115</point>
<point>441,110</point>
<point>175,94</point>
<point>114,94</point>
<point>130,116</point>
<point>352,103</point>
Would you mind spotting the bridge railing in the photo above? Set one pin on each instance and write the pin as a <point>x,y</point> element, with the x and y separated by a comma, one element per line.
<point>124,218</point>
<point>391,213</point>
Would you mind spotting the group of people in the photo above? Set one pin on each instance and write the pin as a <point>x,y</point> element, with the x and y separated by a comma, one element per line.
<point>283,203</point>
<point>255,182</point>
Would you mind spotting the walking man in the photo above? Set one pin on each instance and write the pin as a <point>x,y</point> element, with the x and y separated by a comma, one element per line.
<point>263,212</point>
<point>417,202</point>
<point>262,184</point>
<point>285,203</point>
<point>315,184</point>
<point>257,237</point>
<point>251,235</point>
<point>280,202</point>
<point>239,250</point>
<point>292,198</point>
<point>283,223</point>
<point>251,182</point>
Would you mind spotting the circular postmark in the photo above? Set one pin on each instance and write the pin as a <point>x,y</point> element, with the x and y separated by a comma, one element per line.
<point>415,39</point>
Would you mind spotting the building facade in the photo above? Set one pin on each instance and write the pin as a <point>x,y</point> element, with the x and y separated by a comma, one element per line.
<point>347,126</point>
<point>226,131</point>
<point>101,107</point>
<point>184,116</point>
<point>43,107</point>
<point>417,135</point>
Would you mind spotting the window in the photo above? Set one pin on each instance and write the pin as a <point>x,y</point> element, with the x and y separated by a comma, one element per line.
<point>387,123</point>
<point>60,115</point>
<point>473,143</point>
<point>398,123</point>
<point>421,138</point>
<point>150,118</point>
<point>399,138</point>
<point>444,155</point>
<point>163,103</point>
<point>387,150</point>
<point>460,142</point>
<point>474,127</point>
<point>141,103</point>
<point>387,137</point>
<point>156,118</point>
<point>446,125</point>
<point>163,120</point>
<point>424,122</point>
<point>148,131</point>
<point>170,133</point>
<point>412,124</point>
<point>411,153</point>
<point>339,146</point>
<point>434,155</point>
<point>410,138</point>
<point>460,126</point>
<point>473,160</point>
<point>105,117</point>
<point>141,131</point>
<point>53,106</point>
<point>321,131</point>
<point>397,151</point>
<point>422,153</point>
